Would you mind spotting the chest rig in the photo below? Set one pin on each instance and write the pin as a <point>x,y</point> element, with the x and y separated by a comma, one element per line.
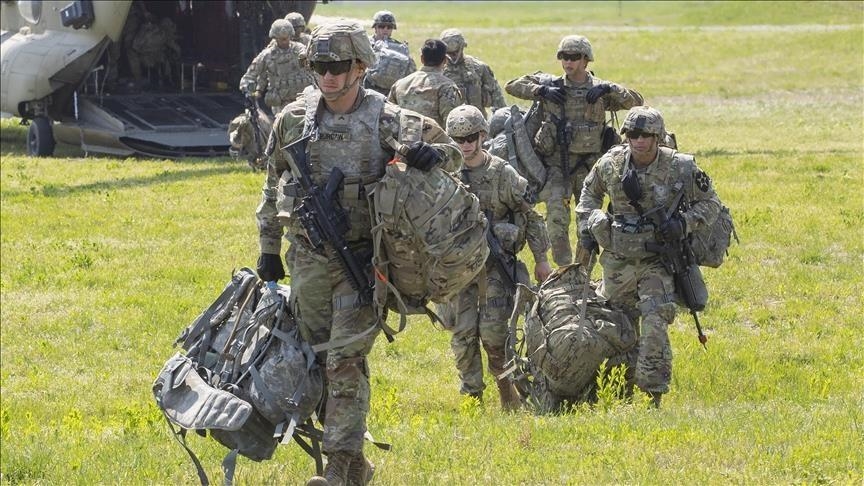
<point>468,80</point>
<point>350,142</point>
<point>639,192</point>
<point>287,77</point>
<point>578,124</point>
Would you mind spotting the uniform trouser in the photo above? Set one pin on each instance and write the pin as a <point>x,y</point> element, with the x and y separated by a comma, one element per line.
<point>475,322</point>
<point>643,287</point>
<point>560,192</point>
<point>325,310</point>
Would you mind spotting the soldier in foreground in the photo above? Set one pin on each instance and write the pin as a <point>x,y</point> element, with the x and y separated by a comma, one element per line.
<point>479,313</point>
<point>277,72</point>
<point>428,91</point>
<point>573,112</point>
<point>641,179</point>
<point>352,130</point>
<point>473,76</point>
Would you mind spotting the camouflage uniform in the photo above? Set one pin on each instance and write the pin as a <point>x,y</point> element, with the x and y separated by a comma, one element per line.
<point>473,76</point>
<point>278,73</point>
<point>299,23</point>
<point>427,92</point>
<point>154,47</point>
<point>384,18</point>
<point>479,314</point>
<point>633,278</point>
<point>585,125</point>
<point>324,301</point>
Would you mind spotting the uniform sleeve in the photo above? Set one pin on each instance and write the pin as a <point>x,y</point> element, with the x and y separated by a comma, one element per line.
<point>524,88</point>
<point>621,98</point>
<point>449,97</point>
<point>286,128</point>
<point>704,202</point>
<point>432,134</point>
<point>514,189</point>
<point>255,73</point>
<point>492,94</point>
<point>593,190</point>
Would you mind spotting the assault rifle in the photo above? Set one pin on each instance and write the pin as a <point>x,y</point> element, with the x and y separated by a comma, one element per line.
<point>251,104</point>
<point>324,219</point>
<point>677,257</point>
<point>563,134</point>
<point>505,261</point>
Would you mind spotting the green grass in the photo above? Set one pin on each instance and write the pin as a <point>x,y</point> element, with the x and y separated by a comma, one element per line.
<point>103,261</point>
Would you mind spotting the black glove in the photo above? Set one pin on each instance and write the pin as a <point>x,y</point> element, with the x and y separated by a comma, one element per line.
<point>673,229</point>
<point>422,156</point>
<point>270,267</point>
<point>552,93</point>
<point>597,92</point>
<point>587,241</point>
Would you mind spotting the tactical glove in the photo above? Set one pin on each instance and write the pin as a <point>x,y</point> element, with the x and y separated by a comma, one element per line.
<point>552,93</point>
<point>422,156</point>
<point>270,267</point>
<point>673,229</point>
<point>597,92</point>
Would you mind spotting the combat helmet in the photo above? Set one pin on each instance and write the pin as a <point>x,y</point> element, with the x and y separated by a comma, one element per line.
<point>644,119</point>
<point>497,120</point>
<point>297,20</point>
<point>465,120</point>
<point>454,40</point>
<point>281,28</point>
<point>340,41</point>
<point>576,43</point>
<point>384,17</point>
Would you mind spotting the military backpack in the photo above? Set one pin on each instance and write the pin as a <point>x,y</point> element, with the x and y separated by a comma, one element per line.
<point>391,65</point>
<point>247,376</point>
<point>568,332</point>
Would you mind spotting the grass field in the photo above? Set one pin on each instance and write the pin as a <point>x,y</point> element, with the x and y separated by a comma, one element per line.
<point>105,260</point>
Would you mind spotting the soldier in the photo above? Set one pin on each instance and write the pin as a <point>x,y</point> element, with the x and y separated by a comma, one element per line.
<point>354,130</point>
<point>276,72</point>
<point>473,76</point>
<point>428,91</point>
<point>473,317</point>
<point>394,59</point>
<point>299,24</point>
<point>639,177</point>
<point>154,47</point>
<point>573,112</point>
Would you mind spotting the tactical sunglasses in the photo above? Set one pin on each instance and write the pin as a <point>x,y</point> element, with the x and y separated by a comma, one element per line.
<point>635,135</point>
<point>335,67</point>
<point>570,57</point>
<point>467,139</point>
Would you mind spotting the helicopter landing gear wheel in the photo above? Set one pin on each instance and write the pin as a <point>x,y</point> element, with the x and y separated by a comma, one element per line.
<point>40,137</point>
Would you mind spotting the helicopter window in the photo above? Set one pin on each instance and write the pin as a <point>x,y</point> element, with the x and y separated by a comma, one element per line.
<point>31,10</point>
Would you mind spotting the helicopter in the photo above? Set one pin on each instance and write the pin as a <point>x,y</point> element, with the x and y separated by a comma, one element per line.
<point>144,78</point>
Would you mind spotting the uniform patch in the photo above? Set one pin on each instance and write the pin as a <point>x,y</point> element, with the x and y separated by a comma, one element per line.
<point>703,182</point>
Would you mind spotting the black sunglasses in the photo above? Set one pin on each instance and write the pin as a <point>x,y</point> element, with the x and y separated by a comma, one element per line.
<point>635,135</point>
<point>467,139</point>
<point>335,67</point>
<point>570,57</point>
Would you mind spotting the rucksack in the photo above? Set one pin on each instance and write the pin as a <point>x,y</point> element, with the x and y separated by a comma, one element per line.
<point>710,244</point>
<point>568,332</point>
<point>429,238</point>
<point>247,376</point>
<point>390,66</point>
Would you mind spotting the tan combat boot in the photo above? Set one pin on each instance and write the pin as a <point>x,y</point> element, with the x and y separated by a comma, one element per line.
<point>510,401</point>
<point>335,472</point>
<point>360,471</point>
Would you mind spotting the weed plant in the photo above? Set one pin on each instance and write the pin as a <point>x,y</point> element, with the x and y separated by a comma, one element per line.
<point>105,260</point>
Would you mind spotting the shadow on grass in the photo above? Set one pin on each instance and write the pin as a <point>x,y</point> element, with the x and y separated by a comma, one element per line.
<point>56,190</point>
